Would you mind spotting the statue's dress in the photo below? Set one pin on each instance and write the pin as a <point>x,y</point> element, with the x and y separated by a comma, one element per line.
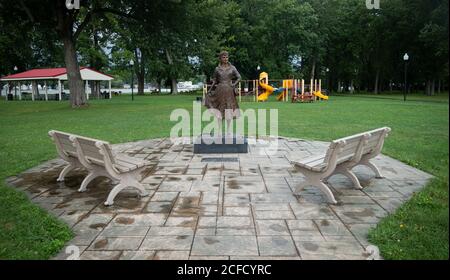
<point>223,96</point>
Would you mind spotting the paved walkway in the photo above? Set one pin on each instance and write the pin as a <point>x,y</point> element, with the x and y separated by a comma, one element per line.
<point>231,206</point>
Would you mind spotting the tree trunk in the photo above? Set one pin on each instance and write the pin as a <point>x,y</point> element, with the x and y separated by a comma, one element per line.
<point>159,82</point>
<point>95,89</point>
<point>76,85</point>
<point>427,87</point>
<point>433,85</point>
<point>91,85</point>
<point>313,69</point>
<point>35,89</point>
<point>65,28</point>
<point>173,84</point>
<point>329,84</point>
<point>95,64</point>
<point>141,81</point>
<point>140,71</point>
<point>377,81</point>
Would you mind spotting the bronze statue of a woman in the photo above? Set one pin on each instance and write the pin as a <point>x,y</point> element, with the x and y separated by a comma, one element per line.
<point>221,95</point>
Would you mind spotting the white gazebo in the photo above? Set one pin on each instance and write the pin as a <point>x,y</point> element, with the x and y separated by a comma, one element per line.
<point>54,74</point>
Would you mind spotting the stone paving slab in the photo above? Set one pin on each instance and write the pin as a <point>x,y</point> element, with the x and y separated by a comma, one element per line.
<point>137,255</point>
<point>225,245</point>
<point>101,255</point>
<point>221,206</point>
<point>116,243</point>
<point>176,242</point>
<point>171,255</point>
<point>124,231</point>
<point>236,211</point>
<point>318,249</point>
<point>276,246</point>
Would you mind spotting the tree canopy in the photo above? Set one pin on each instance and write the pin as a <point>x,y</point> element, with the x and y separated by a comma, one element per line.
<point>342,42</point>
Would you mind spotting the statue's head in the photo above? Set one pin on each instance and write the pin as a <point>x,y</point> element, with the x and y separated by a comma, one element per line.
<point>223,57</point>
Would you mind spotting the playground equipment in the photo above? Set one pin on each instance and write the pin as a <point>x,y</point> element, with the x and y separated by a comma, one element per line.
<point>289,89</point>
<point>287,85</point>
<point>264,83</point>
<point>268,90</point>
<point>318,90</point>
<point>283,91</point>
<point>308,93</point>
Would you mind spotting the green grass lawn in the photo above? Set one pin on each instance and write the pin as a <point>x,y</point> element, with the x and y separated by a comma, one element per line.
<point>418,230</point>
<point>398,95</point>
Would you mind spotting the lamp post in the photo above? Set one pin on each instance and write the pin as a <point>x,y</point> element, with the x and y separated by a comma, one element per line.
<point>132,81</point>
<point>405,59</point>
<point>15,85</point>
<point>327,70</point>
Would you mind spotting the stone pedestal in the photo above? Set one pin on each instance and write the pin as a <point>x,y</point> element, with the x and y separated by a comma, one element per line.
<point>233,144</point>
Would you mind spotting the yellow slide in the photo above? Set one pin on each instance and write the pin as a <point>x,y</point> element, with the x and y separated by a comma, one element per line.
<point>268,91</point>
<point>320,95</point>
<point>280,96</point>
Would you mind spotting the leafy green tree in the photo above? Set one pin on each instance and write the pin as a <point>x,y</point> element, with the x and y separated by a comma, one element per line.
<point>54,18</point>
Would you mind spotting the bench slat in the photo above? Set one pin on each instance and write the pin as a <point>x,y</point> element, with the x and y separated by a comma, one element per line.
<point>96,161</point>
<point>124,166</point>
<point>91,151</point>
<point>371,145</point>
<point>315,162</point>
<point>316,168</point>
<point>129,159</point>
<point>311,159</point>
<point>64,142</point>
<point>68,148</point>
<point>351,148</point>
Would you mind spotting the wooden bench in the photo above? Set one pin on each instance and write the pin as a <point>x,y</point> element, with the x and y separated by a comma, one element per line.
<point>342,155</point>
<point>372,148</point>
<point>96,156</point>
<point>66,151</point>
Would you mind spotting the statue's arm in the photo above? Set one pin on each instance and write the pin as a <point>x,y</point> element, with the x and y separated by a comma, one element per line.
<point>237,76</point>
<point>212,86</point>
<point>214,81</point>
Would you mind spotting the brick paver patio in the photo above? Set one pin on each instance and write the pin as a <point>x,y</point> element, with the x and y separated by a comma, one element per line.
<point>230,206</point>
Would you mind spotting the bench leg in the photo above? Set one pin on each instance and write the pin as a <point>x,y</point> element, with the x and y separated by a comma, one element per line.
<point>64,172</point>
<point>91,176</point>
<point>375,169</point>
<point>301,186</point>
<point>321,186</point>
<point>141,189</point>
<point>349,174</point>
<point>117,189</point>
<point>326,190</point>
